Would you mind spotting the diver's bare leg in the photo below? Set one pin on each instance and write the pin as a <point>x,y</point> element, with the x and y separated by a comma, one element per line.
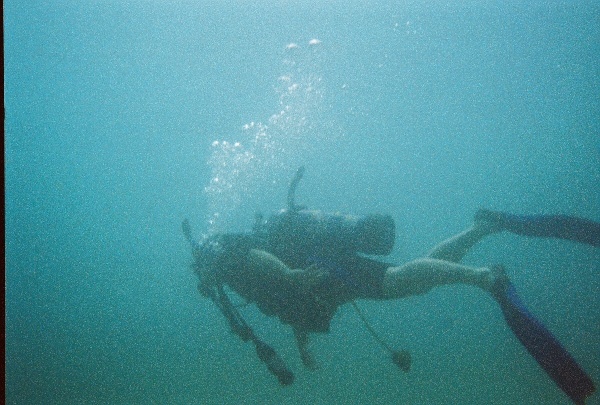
<point>456,247</point>
<point>305,355</point>
<point>421,275</point>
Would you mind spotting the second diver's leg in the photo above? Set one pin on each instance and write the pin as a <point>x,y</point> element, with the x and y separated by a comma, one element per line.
<point>421,275</point>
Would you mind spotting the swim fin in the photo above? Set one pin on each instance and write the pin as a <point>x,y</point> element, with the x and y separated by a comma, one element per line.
<point>567,227</point>
<point>542,345</point>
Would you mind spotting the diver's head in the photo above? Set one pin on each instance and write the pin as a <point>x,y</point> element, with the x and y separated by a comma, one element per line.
<point>206,253</point>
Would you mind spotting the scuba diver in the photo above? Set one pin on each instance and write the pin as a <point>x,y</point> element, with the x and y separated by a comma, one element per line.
<point>300,265</point>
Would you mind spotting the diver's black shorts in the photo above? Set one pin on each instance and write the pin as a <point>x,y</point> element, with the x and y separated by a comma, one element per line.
<point>369,274</point>
<point>361,277</point>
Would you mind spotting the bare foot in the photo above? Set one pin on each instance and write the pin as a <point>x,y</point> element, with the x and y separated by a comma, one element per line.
<point>488,222</point>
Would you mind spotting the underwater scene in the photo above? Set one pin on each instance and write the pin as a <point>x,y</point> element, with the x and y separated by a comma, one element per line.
<point>124,118</point>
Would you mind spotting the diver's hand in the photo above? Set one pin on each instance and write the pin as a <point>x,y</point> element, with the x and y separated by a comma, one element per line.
<point>488,222</point>
<point>310,278</point>
<point>207,282</point>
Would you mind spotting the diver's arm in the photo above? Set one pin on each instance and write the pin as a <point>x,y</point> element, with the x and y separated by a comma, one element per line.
<point>268,272</point>
<point>264,266</point>
<point>268,269</point>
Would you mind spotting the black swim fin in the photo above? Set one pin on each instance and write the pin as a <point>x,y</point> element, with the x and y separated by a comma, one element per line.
<point>542,345</point>
<point>566,227</point>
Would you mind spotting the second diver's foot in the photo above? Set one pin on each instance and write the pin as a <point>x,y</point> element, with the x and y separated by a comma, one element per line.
<point>499,281</point>
<point>489,221</point>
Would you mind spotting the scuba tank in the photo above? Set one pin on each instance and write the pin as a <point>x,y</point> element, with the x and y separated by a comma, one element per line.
<point>329,234</point>
<point>296,232</point>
